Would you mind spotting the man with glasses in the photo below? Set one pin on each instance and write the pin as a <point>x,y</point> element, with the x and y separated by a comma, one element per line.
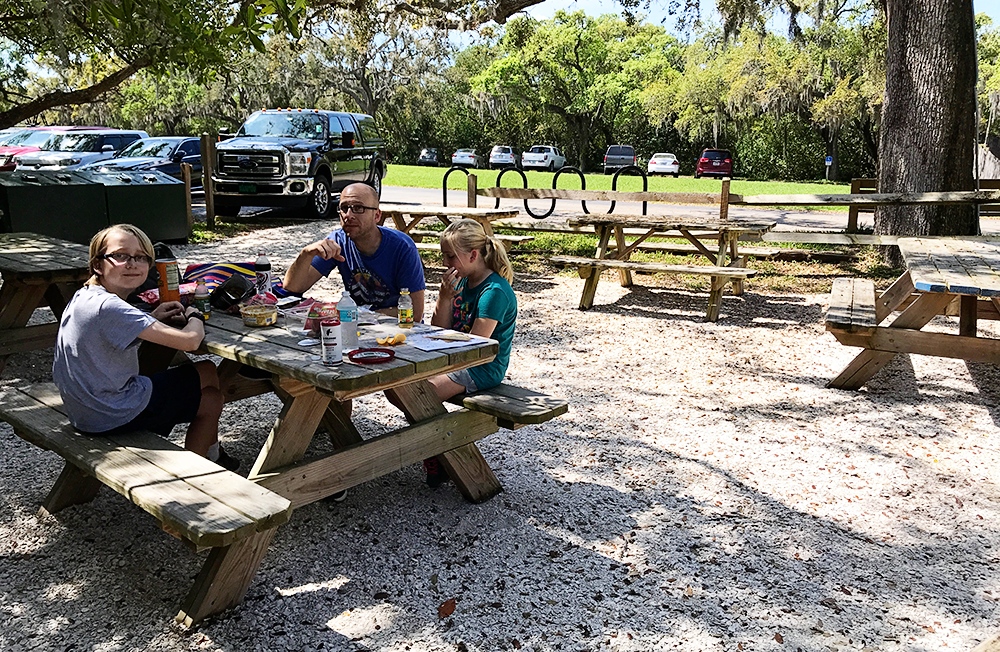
<point>374,262</point>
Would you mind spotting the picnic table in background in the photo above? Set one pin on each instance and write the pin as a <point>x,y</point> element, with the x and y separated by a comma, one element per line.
<point>37,270</point>
<point>955,276</point>
<point>726,263</point>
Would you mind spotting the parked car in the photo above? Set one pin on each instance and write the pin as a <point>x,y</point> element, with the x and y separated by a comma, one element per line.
<point>618,157</point>
<point>71,149</point>
<point>467,158</point>
<point>714,162</point>
<point>663,163</point>
<point>297,158</point>
<point>28,140</point>
<point>503,156</point>
<point>428,156</point>
<point>543,157</point>
<point>164,154</point>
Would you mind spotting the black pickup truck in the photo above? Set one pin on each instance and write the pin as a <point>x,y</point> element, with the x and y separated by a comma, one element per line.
<point>297,158</point>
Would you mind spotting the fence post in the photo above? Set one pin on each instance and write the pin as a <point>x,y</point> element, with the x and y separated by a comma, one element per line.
<point>470,200</point>
<point>186,177</point>
<point>852,212</point>
<point>207,165</point>
<point>724,201</point>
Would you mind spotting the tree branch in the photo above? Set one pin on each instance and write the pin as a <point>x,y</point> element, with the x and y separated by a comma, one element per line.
<point>20,112</point>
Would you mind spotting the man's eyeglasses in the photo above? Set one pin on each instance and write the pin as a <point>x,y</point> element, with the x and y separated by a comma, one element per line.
<point>121,259</point>
<point>357,209</point>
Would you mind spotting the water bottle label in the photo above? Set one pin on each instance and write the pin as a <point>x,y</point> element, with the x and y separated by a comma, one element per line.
<point>350,314</point>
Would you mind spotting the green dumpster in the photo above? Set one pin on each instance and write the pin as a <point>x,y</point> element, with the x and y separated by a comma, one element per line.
<point>59,204</point>
<point>150,200</point>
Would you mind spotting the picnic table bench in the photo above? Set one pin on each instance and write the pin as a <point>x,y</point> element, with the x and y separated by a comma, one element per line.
<point>194,499</point>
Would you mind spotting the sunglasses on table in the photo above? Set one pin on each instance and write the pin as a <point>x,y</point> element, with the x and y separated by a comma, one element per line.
<point>121,258</point>
<point>357,209</point>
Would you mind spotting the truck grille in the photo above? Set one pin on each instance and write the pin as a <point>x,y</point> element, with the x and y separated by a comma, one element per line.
<point>247,165</point>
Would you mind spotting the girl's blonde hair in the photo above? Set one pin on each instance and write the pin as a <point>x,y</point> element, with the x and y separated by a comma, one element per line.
<point>468,235</point>
<point>99,247</point>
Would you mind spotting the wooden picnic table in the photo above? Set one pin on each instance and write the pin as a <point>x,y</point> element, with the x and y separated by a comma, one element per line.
<point>36,270</point>
<point>313,394</point>
<point>943,272</point>
<point>406,216</point>
<point>726,263</point>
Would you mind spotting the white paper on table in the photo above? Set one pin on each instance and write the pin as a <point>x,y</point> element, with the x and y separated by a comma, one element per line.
<point>424,343</point>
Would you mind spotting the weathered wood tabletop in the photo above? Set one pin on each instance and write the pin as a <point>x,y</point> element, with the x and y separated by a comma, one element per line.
<point>36,270</point>
<point>406,216</point>
<point>945,273</point>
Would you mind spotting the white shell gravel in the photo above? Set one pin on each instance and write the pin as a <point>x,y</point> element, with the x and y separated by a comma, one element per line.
<point>706,491</point>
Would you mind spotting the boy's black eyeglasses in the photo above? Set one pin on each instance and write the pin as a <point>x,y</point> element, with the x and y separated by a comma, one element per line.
<point>357,209</point>
<point>121,258</point>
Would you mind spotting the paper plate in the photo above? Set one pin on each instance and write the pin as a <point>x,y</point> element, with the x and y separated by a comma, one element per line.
<point>371,356</point>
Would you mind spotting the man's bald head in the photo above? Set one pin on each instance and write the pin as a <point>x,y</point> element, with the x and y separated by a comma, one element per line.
<point>361,191</point>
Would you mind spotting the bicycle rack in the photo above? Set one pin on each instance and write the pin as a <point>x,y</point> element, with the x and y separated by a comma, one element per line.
<point>444,182</point>
<point>614,184</point>
<point>524,181</point>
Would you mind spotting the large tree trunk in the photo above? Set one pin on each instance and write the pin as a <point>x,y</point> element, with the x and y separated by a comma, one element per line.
<point>928,117</point>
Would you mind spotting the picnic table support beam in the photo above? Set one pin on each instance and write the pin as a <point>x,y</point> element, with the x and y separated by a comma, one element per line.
<point>592,279</point>
<point>465,465</point>
<point>225,578</point>
<point>870,361</point>
<point>72,487</point>
<point>967,315</point>
<point>293,429</point>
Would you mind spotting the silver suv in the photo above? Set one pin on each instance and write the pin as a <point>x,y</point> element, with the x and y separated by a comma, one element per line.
<point>70,150</point>
<point>618,157</point>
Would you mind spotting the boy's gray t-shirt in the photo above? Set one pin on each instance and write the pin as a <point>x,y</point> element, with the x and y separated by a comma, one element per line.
<point>96,363</point>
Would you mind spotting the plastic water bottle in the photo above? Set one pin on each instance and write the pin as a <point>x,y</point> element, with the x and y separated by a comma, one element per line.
<point>405,308</point>
<point>348,321</point>
<point>201,295</point>
<point>262,268</point>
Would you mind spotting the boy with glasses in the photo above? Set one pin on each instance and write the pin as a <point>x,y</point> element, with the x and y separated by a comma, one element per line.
<point>374,262</point>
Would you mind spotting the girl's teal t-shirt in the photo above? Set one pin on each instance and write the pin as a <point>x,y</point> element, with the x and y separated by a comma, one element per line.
<point>491,299</point>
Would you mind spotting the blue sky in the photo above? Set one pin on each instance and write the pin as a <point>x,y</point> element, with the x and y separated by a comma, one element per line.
<point>658,11</point>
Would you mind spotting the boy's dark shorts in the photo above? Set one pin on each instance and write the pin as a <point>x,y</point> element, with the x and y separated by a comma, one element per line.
<point>175,399</point>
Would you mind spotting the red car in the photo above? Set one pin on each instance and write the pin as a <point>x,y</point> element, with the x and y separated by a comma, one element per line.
<point>714,162</point>
<point>30,139</point>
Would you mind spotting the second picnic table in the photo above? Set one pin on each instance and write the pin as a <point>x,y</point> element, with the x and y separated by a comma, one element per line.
<point>36,270</point>
<point>727,264</point>
<point>942,273</point>
<point>406,217</point>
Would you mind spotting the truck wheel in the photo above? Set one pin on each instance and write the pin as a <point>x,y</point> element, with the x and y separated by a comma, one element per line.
<point>552,166</point>
<point>227,211</point>
<point>319,202</point>
<point>376,182</point>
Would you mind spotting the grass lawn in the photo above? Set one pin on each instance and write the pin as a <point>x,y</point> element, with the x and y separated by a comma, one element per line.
<point>413,176</point>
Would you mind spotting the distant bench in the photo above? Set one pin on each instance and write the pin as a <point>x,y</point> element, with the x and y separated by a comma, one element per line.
<point>194,499</point>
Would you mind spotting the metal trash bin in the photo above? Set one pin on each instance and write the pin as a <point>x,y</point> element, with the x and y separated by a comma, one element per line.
<point>58,204</point>
<point>153,201</point>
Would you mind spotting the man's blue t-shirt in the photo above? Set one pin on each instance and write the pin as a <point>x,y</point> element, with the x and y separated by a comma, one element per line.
<point>375,280</point>
<point>491,299</point>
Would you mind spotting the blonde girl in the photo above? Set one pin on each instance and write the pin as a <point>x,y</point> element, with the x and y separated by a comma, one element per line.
<point>475,297</point>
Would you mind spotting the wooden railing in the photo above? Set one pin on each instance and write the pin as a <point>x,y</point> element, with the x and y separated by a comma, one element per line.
<point>867,186</point>
<point>865,199</point>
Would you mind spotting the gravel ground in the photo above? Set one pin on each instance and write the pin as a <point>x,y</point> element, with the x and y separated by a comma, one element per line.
<point>705,492</point>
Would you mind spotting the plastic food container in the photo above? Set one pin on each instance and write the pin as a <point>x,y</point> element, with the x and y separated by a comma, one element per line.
<point>259,315</point>
<point>295,322</point>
